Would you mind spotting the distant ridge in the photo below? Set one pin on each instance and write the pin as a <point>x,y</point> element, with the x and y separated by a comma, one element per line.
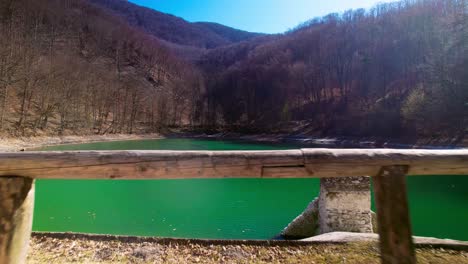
<point>174,29</point>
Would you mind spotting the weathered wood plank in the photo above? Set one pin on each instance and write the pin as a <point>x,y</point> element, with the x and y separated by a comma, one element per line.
<point>16,212</point>
<point>358,162</point>
<point>210,164</point>
<point>146,164</point>
<point>396,243</point>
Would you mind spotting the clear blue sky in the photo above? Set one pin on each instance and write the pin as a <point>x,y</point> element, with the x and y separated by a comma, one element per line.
<point>267,16</point>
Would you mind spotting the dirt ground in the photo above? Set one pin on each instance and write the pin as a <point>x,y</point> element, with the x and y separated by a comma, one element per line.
<point>83,249</point>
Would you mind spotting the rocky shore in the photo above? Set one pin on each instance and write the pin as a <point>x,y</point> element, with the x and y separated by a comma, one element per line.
<point>17,144</point>
<point>24,143</point>
<point>312,141</point>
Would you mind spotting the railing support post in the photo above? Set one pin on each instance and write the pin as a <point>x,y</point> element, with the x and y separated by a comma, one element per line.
<point>396,242</point>
<point>16,212</point>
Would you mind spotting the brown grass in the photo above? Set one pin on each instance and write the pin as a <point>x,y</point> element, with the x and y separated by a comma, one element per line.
<point>47,249</point>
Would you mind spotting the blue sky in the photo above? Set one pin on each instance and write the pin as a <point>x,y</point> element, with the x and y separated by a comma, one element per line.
<point>267,16</point>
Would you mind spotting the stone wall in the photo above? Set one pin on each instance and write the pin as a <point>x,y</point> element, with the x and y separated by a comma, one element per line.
<point>305,225</point>
<point>343,205</point>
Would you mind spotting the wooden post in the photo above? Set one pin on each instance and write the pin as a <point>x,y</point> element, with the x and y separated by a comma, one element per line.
<point>396,242</point>
<point>16,212</point>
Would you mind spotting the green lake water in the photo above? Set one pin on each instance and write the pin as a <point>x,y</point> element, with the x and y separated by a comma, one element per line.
<point>218,208</point>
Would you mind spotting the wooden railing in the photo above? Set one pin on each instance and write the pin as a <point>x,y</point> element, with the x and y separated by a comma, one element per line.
<point>388,167</point>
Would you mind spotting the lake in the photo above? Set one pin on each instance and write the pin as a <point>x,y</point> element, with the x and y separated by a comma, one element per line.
<point>218,208</point>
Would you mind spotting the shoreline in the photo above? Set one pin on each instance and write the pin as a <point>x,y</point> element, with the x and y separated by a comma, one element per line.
<point>10,144</point>
<point>24,143</point>
<point>332,141</point>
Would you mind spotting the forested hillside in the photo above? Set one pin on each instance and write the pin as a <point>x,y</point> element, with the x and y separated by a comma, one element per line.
<point>67,66</point>
<point>398,69</point>
<point>108,66</point>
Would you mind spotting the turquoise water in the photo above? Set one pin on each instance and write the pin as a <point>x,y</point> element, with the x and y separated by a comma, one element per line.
<point>439,206</point>
<point>218,208</point>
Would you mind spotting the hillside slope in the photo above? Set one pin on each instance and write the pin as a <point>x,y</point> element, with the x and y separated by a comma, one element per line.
<point>398,69</point>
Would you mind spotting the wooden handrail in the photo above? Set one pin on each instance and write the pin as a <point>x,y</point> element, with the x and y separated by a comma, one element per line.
<point>222,164</point>
<point>388,167</point>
